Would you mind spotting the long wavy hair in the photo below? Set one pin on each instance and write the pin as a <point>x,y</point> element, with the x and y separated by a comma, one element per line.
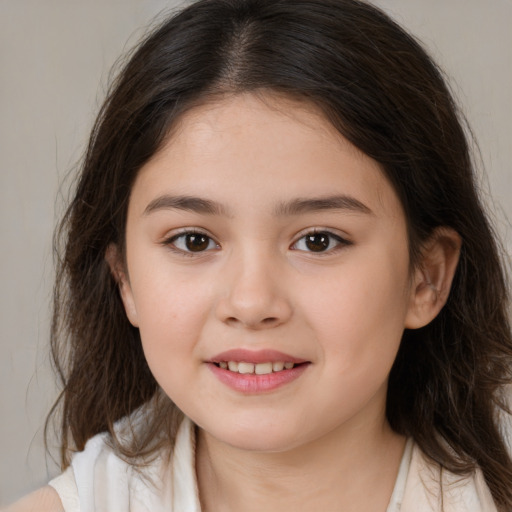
<point>379,88</point>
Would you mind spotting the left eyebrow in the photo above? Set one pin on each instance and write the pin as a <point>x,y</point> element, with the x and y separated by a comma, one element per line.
<point>308,205</point>
<point>187,203</point>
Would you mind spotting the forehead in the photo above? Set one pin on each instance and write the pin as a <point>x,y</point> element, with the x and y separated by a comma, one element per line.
<point>240,144</point>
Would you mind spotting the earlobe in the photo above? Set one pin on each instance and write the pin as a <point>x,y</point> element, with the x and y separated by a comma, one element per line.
<point>118,270</point>
<point>433,277</point>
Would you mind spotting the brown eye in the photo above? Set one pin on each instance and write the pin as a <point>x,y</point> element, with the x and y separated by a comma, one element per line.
<point>197,242</point>
<point>317,242</point>
<point>320,242</point>
<point>191,242</point>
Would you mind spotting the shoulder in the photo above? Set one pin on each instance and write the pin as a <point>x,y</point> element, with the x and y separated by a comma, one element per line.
<point>431,488</point>
<point>100,479</point>
<point>42,500</point>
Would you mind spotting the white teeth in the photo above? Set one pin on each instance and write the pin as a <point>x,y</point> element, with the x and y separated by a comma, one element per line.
<point>277,367</point>
<point>258,368</point>
<point>233,366</point>
<point>245,368</point>
<point>263,368</point>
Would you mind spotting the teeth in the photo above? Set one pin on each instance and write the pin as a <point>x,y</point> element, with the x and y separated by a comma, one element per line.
<point>245,368</point>
<point>258,369</point>
<point>277,367</point>
<point>263,368</point>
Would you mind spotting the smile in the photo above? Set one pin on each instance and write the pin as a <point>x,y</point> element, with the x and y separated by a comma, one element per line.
<point>255,368</point>
<point>256,371</point>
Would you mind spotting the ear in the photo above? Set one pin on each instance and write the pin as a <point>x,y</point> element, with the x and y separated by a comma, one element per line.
<point>118,269</point>
<point>433,276</point>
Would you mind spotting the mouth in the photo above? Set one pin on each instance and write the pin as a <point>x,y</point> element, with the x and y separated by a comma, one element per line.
<point>255,372</point>
<point>265,368</point>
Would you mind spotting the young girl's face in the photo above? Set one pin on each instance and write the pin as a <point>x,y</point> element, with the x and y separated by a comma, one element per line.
<point>258,237</point>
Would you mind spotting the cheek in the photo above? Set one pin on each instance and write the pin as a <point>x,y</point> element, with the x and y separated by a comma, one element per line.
<point>360,314</point>
<point>172,316</point>
<point>171,310</point>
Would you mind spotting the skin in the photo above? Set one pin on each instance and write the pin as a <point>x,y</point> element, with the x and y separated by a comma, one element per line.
<point>322,440</point>
<point>45,499</point>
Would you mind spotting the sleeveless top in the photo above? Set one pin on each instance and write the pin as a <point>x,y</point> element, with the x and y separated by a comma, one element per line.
<point>99,481</point>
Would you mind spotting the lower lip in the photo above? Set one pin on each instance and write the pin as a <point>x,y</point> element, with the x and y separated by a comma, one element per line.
<point>251,383</point>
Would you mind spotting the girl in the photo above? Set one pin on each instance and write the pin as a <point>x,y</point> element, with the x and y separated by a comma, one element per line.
<point>278,287</point>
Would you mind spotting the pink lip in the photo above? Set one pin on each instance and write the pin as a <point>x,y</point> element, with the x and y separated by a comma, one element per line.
<point>254,384</point>
<point>255,356</point>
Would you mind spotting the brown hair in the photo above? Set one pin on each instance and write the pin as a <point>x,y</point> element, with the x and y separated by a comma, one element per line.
<point>380,89</point>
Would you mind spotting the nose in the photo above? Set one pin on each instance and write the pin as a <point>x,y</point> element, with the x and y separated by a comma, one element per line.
<point>255,295</point>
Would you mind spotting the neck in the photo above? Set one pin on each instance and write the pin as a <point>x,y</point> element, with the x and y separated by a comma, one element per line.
<point>334,472</point>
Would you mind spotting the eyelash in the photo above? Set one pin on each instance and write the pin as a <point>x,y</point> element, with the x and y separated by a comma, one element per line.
<point>171,242</point>
<point>339,241</point>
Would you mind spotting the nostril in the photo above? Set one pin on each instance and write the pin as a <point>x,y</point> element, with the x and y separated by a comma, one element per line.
<point>264,322</point>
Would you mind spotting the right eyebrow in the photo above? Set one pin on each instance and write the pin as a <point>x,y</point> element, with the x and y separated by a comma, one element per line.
<point>188,203</point>
<point>316,204</point>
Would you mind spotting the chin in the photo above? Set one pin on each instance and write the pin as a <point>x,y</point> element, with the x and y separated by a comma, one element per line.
<point>257,436</point>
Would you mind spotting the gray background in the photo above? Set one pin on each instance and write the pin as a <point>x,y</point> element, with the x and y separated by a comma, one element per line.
<point>55,57</point>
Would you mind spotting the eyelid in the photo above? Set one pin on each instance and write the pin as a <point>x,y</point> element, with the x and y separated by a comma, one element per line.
<point>168,241</point>
<point>342,239</point>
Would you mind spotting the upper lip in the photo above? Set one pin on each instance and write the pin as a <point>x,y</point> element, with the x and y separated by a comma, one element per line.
<point>255,356</point>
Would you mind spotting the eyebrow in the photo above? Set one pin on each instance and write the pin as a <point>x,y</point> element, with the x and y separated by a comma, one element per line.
<point>307,205</point>
<point>188,203</point>
<point>288,208</point>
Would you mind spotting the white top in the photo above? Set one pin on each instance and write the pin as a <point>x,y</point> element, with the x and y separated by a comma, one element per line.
<point>99,481</point>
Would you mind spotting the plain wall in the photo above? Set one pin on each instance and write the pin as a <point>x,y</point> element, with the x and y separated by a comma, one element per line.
<point>55,57</point>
